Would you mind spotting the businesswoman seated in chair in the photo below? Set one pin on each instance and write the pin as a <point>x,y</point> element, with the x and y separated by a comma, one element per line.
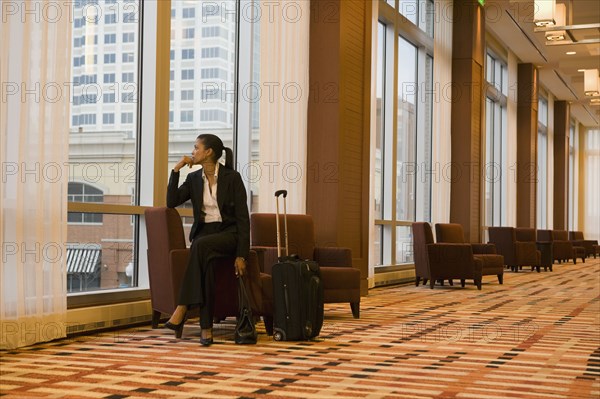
<point>221,226</point>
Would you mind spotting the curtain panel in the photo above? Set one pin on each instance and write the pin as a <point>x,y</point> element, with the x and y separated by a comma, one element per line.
<point>34,127</point>
<point>284,80</point>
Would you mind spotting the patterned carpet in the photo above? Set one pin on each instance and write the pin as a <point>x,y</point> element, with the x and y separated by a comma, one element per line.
<point>536,336</point>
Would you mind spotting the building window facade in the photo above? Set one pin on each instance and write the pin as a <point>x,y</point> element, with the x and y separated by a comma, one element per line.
<point>542,164</point>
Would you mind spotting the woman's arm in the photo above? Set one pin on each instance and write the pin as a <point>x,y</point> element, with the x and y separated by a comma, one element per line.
<point>178,195</point>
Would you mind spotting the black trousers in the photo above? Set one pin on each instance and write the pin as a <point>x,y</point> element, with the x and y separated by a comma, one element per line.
<point>198,286</point>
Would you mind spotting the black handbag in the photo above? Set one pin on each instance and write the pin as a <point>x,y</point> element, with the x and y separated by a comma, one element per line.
<point>245,330</point>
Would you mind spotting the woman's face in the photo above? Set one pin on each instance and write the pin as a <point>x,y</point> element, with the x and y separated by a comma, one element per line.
<point>200,154</point>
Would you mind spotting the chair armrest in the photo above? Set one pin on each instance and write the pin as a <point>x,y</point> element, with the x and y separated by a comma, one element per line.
<point>482,249</point>
<point>267,257</point>
<point>333,256</point>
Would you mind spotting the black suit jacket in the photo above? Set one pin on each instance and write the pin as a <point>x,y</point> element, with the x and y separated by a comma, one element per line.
<point>231,198</point>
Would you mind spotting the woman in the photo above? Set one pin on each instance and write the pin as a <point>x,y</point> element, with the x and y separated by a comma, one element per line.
<point>221,226</point>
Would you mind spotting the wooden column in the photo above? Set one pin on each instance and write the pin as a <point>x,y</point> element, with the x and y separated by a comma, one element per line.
<point>561,164</point>
<point>338,126</point>
<point>526,168</point>
<point>468,57</point>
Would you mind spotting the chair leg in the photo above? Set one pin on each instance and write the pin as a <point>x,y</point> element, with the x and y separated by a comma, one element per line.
<point>441,282</point>
<point>155,318</point>
<point>462,282</point>
<point>425,281</point>
<point>268,320</point>
<point>431,283</point>
<point>355,306</point>
<point>450,282</point>
<point>478,283</point>
<point>500,278</point>
<point>417,281</point>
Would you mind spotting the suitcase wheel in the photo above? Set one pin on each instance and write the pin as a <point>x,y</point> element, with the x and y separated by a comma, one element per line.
<point>277,336</point>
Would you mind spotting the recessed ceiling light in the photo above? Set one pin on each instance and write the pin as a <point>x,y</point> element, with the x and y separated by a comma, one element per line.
<point>571,52</point>
<point>581,70</point>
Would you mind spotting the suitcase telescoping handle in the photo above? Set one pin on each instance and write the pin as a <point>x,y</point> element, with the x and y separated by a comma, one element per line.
<point>277,194</point>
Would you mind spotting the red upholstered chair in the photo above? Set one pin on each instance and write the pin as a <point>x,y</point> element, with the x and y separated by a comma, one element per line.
<point>341,281</point>
<point>167,261</point>
<point>591,246</point>
<point>493,264</point>
<point>516,253</point>
<point>442,261</point>
<point>526,234</point>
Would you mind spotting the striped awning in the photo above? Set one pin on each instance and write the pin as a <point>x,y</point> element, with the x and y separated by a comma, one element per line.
<point>83,258</point>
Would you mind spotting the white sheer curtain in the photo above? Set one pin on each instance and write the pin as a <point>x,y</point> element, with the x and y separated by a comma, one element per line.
<point>34,112</point>
<point>442,78</point>
<point>284,40</point>
<point>591,188</point>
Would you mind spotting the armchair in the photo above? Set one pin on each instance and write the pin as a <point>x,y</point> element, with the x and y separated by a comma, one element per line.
<point>591,246</point>
<point>562,248</point>
<point>341,281</point>
<point>168,258</point>
<point>442,261</point>
<point>516,253</point>
<point>492,264</point>
<point>526,234</point>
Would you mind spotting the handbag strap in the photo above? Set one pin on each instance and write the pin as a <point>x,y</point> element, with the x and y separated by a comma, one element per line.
<point>243,297</point>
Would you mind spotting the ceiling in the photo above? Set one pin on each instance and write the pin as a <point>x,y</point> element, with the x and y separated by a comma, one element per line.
<point>511,22</point>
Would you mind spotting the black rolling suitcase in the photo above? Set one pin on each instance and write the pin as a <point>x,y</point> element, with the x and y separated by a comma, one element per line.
<point>297,292</point>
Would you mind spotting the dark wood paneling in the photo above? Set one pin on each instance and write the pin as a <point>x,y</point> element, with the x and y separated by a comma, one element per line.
<point>526,168</point>
<point>466,122</point>
<point>561,164</point>
<point>338,127</point>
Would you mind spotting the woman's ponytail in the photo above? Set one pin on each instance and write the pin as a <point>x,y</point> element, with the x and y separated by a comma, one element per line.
<point>228,157</point>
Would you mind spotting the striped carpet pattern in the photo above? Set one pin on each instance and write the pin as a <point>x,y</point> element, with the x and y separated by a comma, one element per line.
<point>537,336</point>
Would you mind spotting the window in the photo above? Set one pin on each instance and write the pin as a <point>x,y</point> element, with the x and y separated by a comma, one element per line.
<point>214,52</point>
<point>108,98</point>
<point>380,140</point>
<point>82,192</point>
<point>187,116</point>
<point>403,157</point>
<point>110,38</point>
<point>110,19</point>
<point>127,117</point>
<point>189,33</point>
<point>127,57</point>
<point>419,12</point>
<point>187,95</point>
<point>128,37</point>
<point>108,119</point>
<point>187,74</point>
<point>187,54</point>
<point>495,168</point>
<point>189,13</point>
<point>110,58</point>
<point>109,78</point>
<point>127,77</point>
<point>542,165</point>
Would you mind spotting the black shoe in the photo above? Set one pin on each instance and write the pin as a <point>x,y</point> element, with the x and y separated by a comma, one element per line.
<point>178,328</point>
<point>206,341</point>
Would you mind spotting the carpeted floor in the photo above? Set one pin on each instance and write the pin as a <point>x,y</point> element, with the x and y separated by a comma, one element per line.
<point>536,336</point>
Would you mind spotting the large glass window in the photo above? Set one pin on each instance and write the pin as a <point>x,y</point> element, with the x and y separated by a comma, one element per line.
<point>103,155</point>
<point>542,164</point>
<point>403,167</point>
<point>495,168</point>
<point>420,13</point>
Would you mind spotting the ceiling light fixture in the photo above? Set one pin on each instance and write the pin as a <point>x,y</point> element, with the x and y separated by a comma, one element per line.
<point>571,52</point>
<point>591,82</point>
<point>556,35</point>
<point>544,12</point>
